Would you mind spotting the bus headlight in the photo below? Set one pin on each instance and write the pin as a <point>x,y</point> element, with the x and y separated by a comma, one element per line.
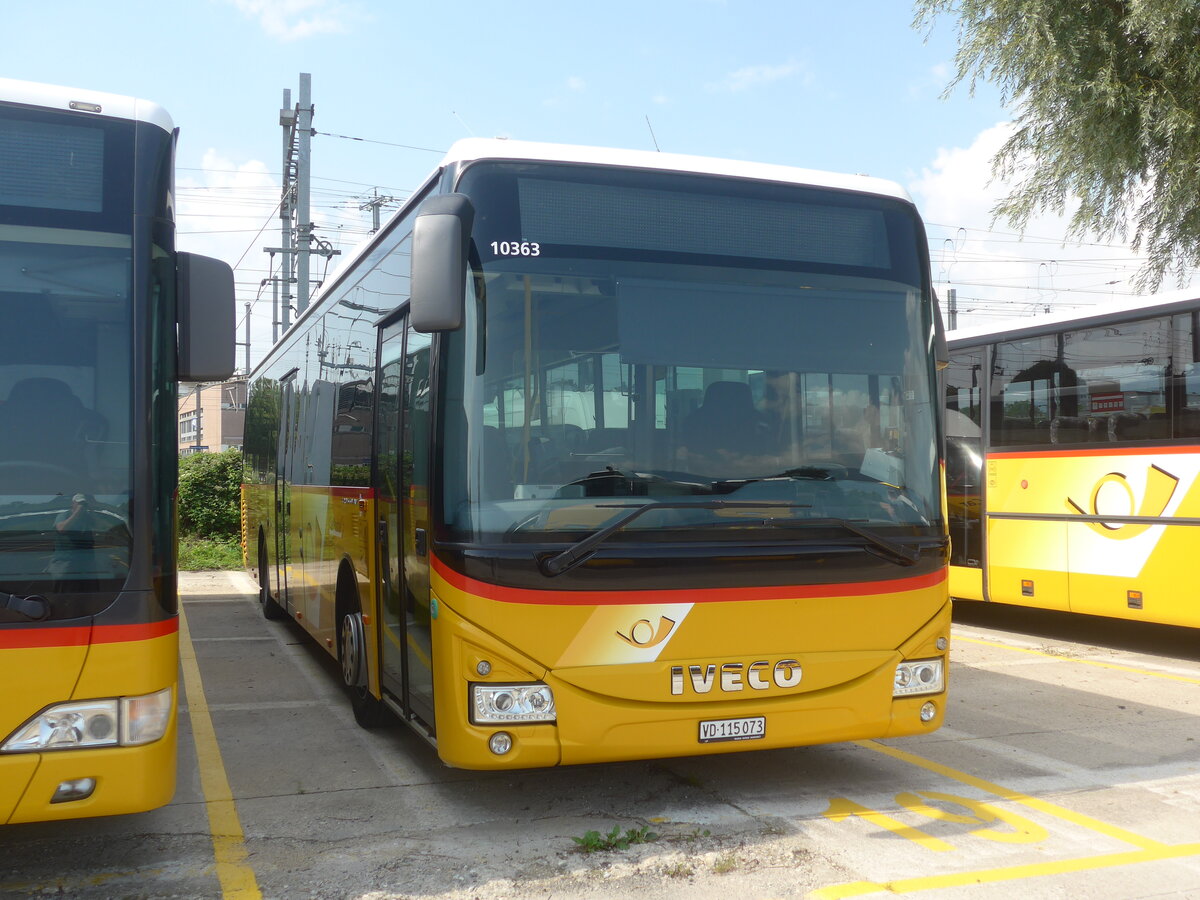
<point>94,723</point>
<point>144,719</point>
<point>919,676</point>
<point>493,704</point>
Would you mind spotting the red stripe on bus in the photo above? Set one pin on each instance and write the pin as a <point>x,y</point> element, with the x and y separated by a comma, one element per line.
<point>83,635</point>
<point>689,595</point>
<point>1090,451</point>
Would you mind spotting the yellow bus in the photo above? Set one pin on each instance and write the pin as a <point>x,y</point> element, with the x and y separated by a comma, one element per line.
<point>100,318</point>
<point>1072,460</point>
<point>600,455</point>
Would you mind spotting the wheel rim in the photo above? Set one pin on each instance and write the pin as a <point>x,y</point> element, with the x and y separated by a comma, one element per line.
<point>352,647</point>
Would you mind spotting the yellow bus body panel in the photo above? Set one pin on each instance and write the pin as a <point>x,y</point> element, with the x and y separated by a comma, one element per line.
<point>129,779</point>
<point>966,583</point>
<point>612,692</point>
<point>610,707</point>
<point>1136,570</point>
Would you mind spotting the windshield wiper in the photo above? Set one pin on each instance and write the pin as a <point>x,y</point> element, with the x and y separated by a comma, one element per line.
<point>578,552</point>
<point>876,544</point>
<point>892,551</point>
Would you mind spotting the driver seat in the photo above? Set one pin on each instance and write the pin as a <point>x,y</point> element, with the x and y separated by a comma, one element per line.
<point>725,420</point>
<point>43,423</point>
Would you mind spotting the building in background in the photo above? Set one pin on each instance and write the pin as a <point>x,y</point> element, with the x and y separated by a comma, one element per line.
<point>212,417</point>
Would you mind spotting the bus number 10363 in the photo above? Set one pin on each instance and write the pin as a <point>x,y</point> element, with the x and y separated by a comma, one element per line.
<point>516,248</point>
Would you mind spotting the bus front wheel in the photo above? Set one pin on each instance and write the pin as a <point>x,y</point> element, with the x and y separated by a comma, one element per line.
<point>369,711</point>
<point>270,608</point>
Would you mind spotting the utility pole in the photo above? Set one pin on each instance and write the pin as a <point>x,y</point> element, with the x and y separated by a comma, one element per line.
<point>246,343</point>
<point>287,118</point>
<point>373,205</point>
<point>297,242</point>
<point>952,300</point>
<point>304,117</point>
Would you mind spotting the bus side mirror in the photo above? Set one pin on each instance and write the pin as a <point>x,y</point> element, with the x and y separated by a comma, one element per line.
<point>204,298</point>
<point>441,238</point>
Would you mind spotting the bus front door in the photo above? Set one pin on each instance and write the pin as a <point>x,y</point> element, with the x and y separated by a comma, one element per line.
<point>285,453</point>
<point>401,495</point>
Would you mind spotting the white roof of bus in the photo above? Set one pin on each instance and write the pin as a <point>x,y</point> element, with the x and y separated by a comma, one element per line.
<point>53,96</point>
<point>498,148</point>
<point>1101,311</point>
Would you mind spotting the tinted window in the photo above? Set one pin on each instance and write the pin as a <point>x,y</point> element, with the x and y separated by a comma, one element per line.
<point>1128,381</point>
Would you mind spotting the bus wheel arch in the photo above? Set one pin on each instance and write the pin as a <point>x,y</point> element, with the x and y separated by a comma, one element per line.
<point>369,711</point>
<point>270,606</point>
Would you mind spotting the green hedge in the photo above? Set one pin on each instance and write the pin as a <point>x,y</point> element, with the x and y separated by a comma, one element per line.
<point>210,486</point>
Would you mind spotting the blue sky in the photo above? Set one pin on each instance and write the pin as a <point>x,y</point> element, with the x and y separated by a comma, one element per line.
<point>845,86</point>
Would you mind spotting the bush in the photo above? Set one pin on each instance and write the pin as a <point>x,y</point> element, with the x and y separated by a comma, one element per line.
<point>210,486</point>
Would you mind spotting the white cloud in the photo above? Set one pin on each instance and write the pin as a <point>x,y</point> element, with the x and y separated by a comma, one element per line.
<point>755,76</point>
<point>997,273</point>
<point>292,20</point>
<point>220,210</point>
<point>229,211</point>
<point>575,83</point>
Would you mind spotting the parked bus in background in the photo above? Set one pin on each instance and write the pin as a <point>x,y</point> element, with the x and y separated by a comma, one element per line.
<point>594,455</point>
<point>1073,454</point>
<point>92,294</point>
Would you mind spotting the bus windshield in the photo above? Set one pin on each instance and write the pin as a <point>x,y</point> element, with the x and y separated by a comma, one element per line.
<point>639,337</point>
<point>66,370</point>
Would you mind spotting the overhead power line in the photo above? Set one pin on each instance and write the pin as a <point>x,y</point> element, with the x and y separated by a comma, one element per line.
<point>347,137</point>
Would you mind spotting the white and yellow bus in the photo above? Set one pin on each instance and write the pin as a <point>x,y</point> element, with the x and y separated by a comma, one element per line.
<point>1072,461</point>
<point>100,318</point>
<point>596,455</point>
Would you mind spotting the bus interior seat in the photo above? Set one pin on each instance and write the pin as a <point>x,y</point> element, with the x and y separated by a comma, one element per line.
<point>43,421</point>
<point>726,420</point>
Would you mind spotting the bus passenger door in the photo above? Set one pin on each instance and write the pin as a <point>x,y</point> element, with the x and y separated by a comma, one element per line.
<point>285,452</point>
<point>401,492</point>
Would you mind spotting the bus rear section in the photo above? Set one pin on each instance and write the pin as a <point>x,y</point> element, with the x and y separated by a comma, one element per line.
<point>1077,459</point>
<point>666,480</point>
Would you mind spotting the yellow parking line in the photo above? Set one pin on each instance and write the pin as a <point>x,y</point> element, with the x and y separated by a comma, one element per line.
<point>1008,873</point>
<point>229,846</point>
<point>1087,662</point>
<point>1151,850</point>
<point>1051,809</point>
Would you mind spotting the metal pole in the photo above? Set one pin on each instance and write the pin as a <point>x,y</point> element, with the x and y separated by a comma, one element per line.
<point>247,369</point>
<point>274,302</point>
<point>287,118</point>
<point>304,115</point>
<point>952,318</point>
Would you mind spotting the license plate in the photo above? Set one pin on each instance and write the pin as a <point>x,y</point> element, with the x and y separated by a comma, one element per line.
<point>747,729</point>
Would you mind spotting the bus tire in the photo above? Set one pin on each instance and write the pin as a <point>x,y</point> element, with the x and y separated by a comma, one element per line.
<point>270,608</point>
<point>369,711</point>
